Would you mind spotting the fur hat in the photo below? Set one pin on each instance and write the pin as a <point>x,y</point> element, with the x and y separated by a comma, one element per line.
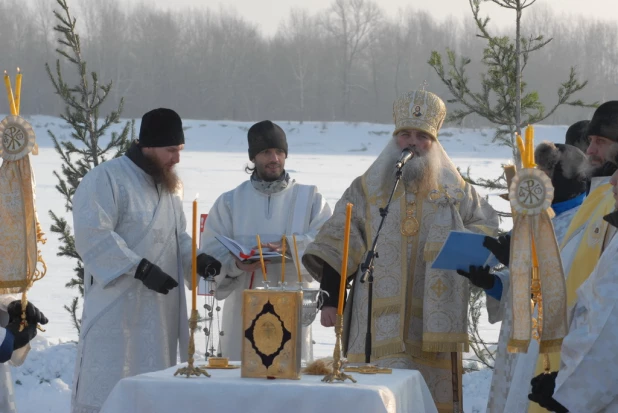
<point>566,166</point>
<point>577,135</point>
<point>161,127</point>
<point>265,135</point>
<point>604,122</point>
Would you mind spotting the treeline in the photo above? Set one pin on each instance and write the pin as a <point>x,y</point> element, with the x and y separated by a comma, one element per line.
<point>346,62</point>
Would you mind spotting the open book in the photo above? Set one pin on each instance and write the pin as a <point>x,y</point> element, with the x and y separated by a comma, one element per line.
<point>244,253</point>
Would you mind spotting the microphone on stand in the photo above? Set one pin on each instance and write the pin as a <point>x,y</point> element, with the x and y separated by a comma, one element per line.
<point>406,155</point>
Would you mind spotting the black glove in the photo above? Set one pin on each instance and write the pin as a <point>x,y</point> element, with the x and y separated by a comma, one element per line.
<point>480,277</point>
<point>208,266</point>
<point>154,278</point>
<point>33,315</point>
<point>543,390</point>
<point>500,247</point>
<point>22,338</point>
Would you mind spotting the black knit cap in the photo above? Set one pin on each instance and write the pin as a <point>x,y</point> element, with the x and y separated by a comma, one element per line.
<point>566,166</point>
<point>604,122</point>
<point>577,135</point>
<point>266,135</point>
<point>161,127</point>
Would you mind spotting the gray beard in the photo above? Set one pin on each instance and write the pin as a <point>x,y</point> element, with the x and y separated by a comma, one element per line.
<point>420,172</point>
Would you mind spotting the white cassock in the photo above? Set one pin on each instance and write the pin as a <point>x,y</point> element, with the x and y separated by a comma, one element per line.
<point>510,383</point>
<point>7,401</point>
<point>588,378</point>
<point>242,213</point>
<point>120,216</point>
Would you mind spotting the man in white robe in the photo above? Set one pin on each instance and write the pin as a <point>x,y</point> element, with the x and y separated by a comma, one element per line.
<point>10,317</point>
<point>270,204</point>
<point>130,233</point>
<point>586,381</point>
<point>565,165</point>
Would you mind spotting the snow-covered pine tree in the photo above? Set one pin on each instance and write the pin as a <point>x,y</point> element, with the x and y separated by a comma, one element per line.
<point>88,145</point>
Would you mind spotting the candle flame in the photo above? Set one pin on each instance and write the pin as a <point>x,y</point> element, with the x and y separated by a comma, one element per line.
<point>18,70</point>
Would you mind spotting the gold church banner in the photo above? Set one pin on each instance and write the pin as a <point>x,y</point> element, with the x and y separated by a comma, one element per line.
<point>19,229</point>
<point>535,264</point>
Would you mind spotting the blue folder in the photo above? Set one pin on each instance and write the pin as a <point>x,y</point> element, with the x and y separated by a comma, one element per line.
<point>463,249</point>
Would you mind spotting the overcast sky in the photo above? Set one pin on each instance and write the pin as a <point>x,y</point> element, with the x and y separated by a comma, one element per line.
<point>269,13</point>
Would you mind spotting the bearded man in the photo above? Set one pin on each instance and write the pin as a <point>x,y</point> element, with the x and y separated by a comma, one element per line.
<point>130,233</point>
<point>419,318</point>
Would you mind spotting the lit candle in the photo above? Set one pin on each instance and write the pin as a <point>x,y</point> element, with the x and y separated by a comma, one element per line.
<point>282,260</point>
<point>9,93</point>
<point>18,91</point>
<point>194,258</point>
<point>259,244</point>
<point>300,280</point>
<point>344,261</point>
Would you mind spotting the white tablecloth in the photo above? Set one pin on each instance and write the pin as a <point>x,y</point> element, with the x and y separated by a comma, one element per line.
<point>225,391</point>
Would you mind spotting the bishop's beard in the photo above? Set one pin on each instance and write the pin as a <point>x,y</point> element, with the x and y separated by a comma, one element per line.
<point>421,172</point>
<point>167,177</point>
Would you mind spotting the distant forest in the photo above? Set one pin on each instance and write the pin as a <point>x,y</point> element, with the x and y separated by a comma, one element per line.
<point>344,63</point>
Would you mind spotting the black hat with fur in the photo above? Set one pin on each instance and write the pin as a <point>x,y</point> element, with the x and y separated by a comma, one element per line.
<point>566,166</point>
<point>604,122</point>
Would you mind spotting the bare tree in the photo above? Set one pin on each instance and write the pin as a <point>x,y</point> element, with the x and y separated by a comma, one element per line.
<point>351,24</point>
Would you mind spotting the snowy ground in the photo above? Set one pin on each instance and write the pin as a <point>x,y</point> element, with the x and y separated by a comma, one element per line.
<point>329,155</point>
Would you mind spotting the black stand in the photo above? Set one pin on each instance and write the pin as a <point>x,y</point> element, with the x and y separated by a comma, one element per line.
<point>367,269</point>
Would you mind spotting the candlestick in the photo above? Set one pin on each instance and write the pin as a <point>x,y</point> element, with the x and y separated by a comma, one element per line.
<point>522,151</point>
<point>300,280</point>
<point>194,258</point>
<point>344,261</point>
<point>18,92</point>
<point>282,260</point>
<point>9,93</point>
<point>259,244</point>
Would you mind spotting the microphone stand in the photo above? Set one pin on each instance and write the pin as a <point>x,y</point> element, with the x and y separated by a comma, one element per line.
<point>367,267</point>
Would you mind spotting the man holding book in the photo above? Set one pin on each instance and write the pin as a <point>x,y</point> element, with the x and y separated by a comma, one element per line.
<point>419,313</point>
<point>269,204</point>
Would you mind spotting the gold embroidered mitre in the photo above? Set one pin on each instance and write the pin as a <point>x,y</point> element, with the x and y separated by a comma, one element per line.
<point>419,110</point>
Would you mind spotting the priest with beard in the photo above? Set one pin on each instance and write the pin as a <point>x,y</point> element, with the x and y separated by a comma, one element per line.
<point>419,317</point>
<point>130,231</point>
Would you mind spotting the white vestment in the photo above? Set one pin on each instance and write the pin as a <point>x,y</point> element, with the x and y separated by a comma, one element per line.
<point>7,402</point>
<point>120,216</point>
<point>588,378</point>
<point>510,383</point>
<point>242,213</point>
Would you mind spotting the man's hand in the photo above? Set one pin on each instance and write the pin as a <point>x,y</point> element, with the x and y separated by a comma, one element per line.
<point>500,247</point>
<point>272,246</point>
<point>208,266</point>
<point>248,266</point>
<point>543,390</point>
<point>21,338</point>
<point>328,316</point>
<point>479,276</point>
<point>154,277</point>
<point>33,315</point>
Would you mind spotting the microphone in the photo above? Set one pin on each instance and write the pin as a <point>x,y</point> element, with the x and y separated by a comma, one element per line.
<point>406,155</point>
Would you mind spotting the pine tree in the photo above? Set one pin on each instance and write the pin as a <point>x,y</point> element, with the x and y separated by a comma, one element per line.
<point>87,146</point>
<point>503,99</point>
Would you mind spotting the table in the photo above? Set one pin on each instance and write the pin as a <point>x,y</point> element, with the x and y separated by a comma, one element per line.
<point>225,391</point>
